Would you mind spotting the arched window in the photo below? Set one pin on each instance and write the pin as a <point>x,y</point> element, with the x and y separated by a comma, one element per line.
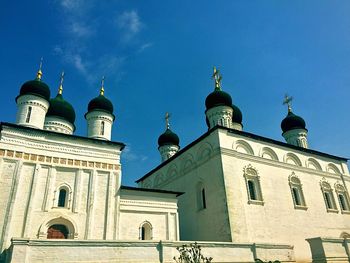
<point>146,231</point>
<point>29,113</point>
<point>297,192</point>
<point>343,198</point>
<point>201,196</point>
<point>328,197</point>
<point>102,131</point>
<point>62,198</point>
<point>252,180</point>
<point>57,231</point>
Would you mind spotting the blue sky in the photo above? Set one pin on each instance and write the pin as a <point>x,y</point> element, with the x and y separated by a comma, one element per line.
<point>157,56</point>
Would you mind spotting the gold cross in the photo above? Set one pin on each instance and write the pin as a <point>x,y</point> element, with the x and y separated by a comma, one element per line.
<point>167,117</point>
<point>288,101</point>
<point>40,73</point>
<point>60,89</point>
<point>217,78</point>
<point>102,91</point>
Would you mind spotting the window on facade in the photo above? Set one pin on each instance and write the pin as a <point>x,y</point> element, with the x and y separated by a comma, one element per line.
<point>252,180</point>
<point>342,197</point>
<point>204,204</point>
<point>62,198</point>
<point>251,188</point>
<point>29,113</point>
<point>328,197</point>
<point>146,231</point>
<point>297,191</point>
<point>102,131</point>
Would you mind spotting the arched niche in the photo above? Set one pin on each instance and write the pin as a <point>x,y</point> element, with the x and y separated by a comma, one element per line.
<point>188,162</point>
<point>159,178</point>
<point>60,223</point>
<point>268,153</point>
<point>291,158</point>
<point>313,164</point>
<point>331,168</point>
<point>145,231</point>
<point>204,152</point>
<point>243,147</point>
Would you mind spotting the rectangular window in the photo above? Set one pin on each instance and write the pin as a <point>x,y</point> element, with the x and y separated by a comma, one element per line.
<point>204,204</point>
<point>29,113</point>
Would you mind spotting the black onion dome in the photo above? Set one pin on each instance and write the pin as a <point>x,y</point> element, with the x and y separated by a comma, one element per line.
<point>35,87</point>
<point>218,98</point>
<point>61,108</point>
<point>291,122</point>
<point>101,103</point>
<point>168,138</point>
<point>237,114</point>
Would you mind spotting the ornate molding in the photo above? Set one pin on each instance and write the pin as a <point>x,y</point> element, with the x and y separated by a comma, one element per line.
<point>44,159</point>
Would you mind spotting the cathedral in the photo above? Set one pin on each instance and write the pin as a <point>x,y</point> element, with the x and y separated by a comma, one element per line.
<point>239,195</point>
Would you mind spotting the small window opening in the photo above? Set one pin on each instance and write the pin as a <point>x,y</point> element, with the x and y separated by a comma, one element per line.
<point>343,203</point>
<point>62,198</point>
<point>29,113</point>
<point>328,200</point>
<point>146,231</point>
<point>102,131</point>
<point>296,196</point>
<point>204,204</point>
<point>251,188</point>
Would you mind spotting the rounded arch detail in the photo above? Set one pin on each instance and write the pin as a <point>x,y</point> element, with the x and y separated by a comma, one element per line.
<point>268,153</point>
<point>204,151</point>
<point>243,147</point>
<point>331,168</point>
<point>58,220</point>
<point>313,164</point>
<point>291,158</point>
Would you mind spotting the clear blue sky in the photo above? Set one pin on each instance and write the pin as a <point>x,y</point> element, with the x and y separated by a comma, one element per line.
<point>157,56</point>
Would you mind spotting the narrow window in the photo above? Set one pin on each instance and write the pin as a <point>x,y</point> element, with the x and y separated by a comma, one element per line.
<point>29,113</point>
<point>204,204</point>
<point>251,188</point>
<point>296,196</point>
<point>327,197</point>
<point>252,180</point>
<point>146,231</point>
<point>342,202</point>
<point>143,233</point>
<point>102,131</point>
<point>62,198</point>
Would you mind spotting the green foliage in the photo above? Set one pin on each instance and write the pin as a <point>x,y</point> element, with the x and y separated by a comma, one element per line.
<point>260,261</point>
<point>191,254</point>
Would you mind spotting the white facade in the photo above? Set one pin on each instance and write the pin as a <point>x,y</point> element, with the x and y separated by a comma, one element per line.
<point>99,125</point>
<point>239,188</point>
<point>37,166</point>
<point>56,124</point>
<point>31,111</point>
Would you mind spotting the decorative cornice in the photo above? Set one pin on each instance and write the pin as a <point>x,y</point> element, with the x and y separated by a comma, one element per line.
<point>44,159</point>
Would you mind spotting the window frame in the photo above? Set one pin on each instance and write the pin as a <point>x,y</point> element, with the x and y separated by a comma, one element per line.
<point>340,190</point>
<point>250,174</point>
<point>297,192</point>
<point>330,203</point>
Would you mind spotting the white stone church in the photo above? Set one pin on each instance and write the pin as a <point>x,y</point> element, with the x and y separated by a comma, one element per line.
<point>240,196</point>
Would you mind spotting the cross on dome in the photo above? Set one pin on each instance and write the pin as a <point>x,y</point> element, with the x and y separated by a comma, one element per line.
<point>288,101</point>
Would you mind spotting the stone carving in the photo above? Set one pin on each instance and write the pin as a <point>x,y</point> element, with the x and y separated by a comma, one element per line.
<point>191,254</point>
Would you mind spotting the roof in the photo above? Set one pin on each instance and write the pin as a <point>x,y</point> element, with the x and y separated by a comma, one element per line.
<point>102,142</point>
<point>244,134</point>
<point>151,190</point>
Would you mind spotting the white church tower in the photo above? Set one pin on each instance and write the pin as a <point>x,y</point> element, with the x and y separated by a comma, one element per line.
<point>168,142</point>
<point>100,116</point>
<point>294,127</point>
<point>61,115</point>
<point>219,108</point>
<point>33,102</point>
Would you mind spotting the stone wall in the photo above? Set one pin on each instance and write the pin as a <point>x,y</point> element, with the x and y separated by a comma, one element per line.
<point>64,251</point>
